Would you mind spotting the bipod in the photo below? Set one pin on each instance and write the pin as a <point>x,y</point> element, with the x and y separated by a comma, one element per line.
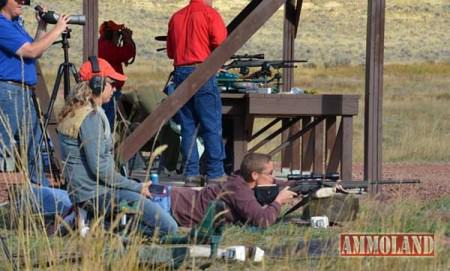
<point>65,69</point>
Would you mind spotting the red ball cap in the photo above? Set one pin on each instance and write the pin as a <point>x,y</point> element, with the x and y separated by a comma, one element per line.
<point>106,70</point>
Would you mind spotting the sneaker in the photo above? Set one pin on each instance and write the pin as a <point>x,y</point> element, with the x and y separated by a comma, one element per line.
<point>193,181</point>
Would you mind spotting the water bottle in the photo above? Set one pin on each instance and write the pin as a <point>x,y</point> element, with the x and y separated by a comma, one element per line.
<point>154,178</point>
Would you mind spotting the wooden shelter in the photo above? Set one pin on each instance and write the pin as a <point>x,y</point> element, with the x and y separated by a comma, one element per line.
<point>240,29</point>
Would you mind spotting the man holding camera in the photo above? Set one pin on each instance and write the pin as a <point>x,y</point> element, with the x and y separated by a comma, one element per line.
<point>116,46</point>
<point>194,32</point>
<point>18,78</point>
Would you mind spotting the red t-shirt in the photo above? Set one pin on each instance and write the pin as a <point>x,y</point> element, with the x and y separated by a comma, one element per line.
<point>194,32</point>
<point>115,55</point>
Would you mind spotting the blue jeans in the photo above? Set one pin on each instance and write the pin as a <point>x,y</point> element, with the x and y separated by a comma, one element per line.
<point>164,200</point>
<point>110,108</point>
<point>52,201</point>
<point>202,114</point>
<point>19,124</point>
<point>152,214</point>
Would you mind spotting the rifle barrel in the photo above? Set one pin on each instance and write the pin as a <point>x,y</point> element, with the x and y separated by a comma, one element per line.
<point>364,184</point>
<point>237,63</point>
<point>247,56</point>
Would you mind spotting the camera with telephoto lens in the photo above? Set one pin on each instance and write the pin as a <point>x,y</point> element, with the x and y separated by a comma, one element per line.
<point>52,17</point>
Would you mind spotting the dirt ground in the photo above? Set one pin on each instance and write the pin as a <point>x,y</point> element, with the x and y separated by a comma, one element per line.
<point>435,179</point>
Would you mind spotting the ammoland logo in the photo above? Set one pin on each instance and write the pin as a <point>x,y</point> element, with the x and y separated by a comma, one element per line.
<point>384,245</point>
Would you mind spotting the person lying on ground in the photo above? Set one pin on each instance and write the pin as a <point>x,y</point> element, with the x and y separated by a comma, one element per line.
<point>188,206</point>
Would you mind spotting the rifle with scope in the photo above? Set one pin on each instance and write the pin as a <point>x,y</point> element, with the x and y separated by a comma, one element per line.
<point>319,186</point>
<point>264,64</point>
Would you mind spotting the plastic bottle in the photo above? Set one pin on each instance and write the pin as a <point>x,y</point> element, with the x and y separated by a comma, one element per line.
<point>154,178</point>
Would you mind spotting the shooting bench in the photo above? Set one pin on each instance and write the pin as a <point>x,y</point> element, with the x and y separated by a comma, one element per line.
<point>326,121</point>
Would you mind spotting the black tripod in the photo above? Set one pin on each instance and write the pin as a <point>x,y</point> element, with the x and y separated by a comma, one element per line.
<point>65,69</point>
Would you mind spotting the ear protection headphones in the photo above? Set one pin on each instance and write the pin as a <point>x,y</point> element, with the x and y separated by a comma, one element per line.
<point>96,83</point>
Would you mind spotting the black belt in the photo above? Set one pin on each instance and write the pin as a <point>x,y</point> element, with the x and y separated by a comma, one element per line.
<point>20,84</point>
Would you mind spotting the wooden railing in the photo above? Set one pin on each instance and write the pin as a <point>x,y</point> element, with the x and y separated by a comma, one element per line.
<point>326,123</point>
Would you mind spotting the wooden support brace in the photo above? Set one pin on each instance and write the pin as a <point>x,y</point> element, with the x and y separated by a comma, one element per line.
<point>318,148</point>
<point>307,146</point>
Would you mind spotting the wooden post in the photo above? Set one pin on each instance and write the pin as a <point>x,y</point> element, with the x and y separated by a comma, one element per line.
<point>90,46</point>
<point>290,156</point>
<point>373,126</point>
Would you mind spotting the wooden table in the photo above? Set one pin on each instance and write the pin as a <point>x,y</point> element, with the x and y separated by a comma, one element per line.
<point>320,151</point>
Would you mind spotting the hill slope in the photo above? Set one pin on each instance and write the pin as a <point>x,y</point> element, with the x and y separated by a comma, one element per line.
<point>331,32</point>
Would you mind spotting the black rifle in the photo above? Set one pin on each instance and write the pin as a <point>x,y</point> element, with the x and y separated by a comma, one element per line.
<point>265,64</point>
<point>247,57</point>
<point>307,185</point>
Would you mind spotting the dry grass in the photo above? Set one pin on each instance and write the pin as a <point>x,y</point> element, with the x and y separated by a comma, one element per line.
<point>332,38</point>
<point>331,32</point>
<point>100,250</point>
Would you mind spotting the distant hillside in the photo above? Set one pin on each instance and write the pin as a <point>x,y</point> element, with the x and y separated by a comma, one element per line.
<point>331,32</point>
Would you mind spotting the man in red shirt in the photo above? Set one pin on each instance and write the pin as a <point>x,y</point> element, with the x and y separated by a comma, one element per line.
<point>194,32</point>
<point>116,46</point>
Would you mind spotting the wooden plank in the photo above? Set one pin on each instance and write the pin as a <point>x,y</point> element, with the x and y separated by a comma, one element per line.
<point>289,157</point>
<point>276,133</point>
<point>90,30</point>
<point>306,128</point>
<point>307,146</point>
<point>295,147</point>
<point>298,12</point>
<point>319,151</point>
<point>330,136</point>
<point>336,153</point>
<point>285,105</point>
<point>189,87</point>
<point>265,128</point>
<point>239,143</point>
<point>374,91</point>
<point>346,143</point>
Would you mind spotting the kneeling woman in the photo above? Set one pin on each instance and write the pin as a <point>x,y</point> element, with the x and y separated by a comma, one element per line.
<point>87,151</point>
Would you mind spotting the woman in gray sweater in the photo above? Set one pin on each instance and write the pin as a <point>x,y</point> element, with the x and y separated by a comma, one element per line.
<point>87,151</point>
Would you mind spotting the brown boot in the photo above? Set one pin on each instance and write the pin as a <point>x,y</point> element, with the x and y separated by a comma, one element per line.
<point>193,181</point>
<point>220,179</point>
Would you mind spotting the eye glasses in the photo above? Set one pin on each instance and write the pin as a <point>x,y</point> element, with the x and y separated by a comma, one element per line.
<point>110,81</point>
<point>270,174</point>
<point>23,2</point>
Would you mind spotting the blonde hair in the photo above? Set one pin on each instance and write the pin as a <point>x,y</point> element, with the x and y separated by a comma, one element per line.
<point>81,95</point>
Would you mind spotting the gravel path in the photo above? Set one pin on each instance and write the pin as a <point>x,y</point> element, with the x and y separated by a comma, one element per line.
<point>435,179</point>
